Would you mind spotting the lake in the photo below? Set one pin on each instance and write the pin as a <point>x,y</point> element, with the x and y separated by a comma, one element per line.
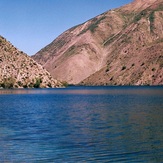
<point>82,124</point>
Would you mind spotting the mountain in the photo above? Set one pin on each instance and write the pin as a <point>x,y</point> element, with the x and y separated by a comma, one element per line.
<point>123,46</point>
<point>19,70</point>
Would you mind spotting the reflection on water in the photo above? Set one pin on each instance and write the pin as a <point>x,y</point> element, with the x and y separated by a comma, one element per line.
<point>82,124</point>
<point>137,90</point>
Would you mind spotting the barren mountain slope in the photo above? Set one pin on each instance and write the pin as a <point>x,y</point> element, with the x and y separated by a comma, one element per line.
<point>135,55</point>
<point>121,46</point>
<point>18,70</point>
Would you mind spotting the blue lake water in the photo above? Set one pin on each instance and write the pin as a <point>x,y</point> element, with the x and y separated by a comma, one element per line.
<point>82,124</point>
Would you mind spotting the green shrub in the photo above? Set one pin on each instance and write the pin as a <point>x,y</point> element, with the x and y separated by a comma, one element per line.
<point>37,83</point>
<point>8,83</point>
<point>93,25</point>
<point>65,84</point>
<point>49,85</point>
<point>107,70</point>
<point>140,15</point>
<point>20,83</point>
<point>123,68</point>
<point>25,86</point>
<point>151,19</point>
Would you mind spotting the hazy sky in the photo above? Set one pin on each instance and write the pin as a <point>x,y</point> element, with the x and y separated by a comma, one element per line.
<point>32,24</point>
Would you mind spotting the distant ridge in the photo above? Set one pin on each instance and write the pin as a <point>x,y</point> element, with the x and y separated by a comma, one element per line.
<point>123,46</point>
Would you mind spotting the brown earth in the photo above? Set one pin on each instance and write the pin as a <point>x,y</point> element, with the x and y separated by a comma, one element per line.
<point>119,47</point>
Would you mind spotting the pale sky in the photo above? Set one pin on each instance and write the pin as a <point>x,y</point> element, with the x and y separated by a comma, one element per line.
<point>30,25</point>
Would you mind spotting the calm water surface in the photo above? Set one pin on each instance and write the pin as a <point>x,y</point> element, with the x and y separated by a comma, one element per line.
<point>82,124</point>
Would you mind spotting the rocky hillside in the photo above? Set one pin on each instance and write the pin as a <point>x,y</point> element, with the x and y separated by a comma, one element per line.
<point>119,47</point>
<point>18,70</point>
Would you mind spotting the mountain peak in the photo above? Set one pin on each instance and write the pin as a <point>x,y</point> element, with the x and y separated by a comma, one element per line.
<point>138,5</point>
<point>146,2</point>
<point>119,47</point>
